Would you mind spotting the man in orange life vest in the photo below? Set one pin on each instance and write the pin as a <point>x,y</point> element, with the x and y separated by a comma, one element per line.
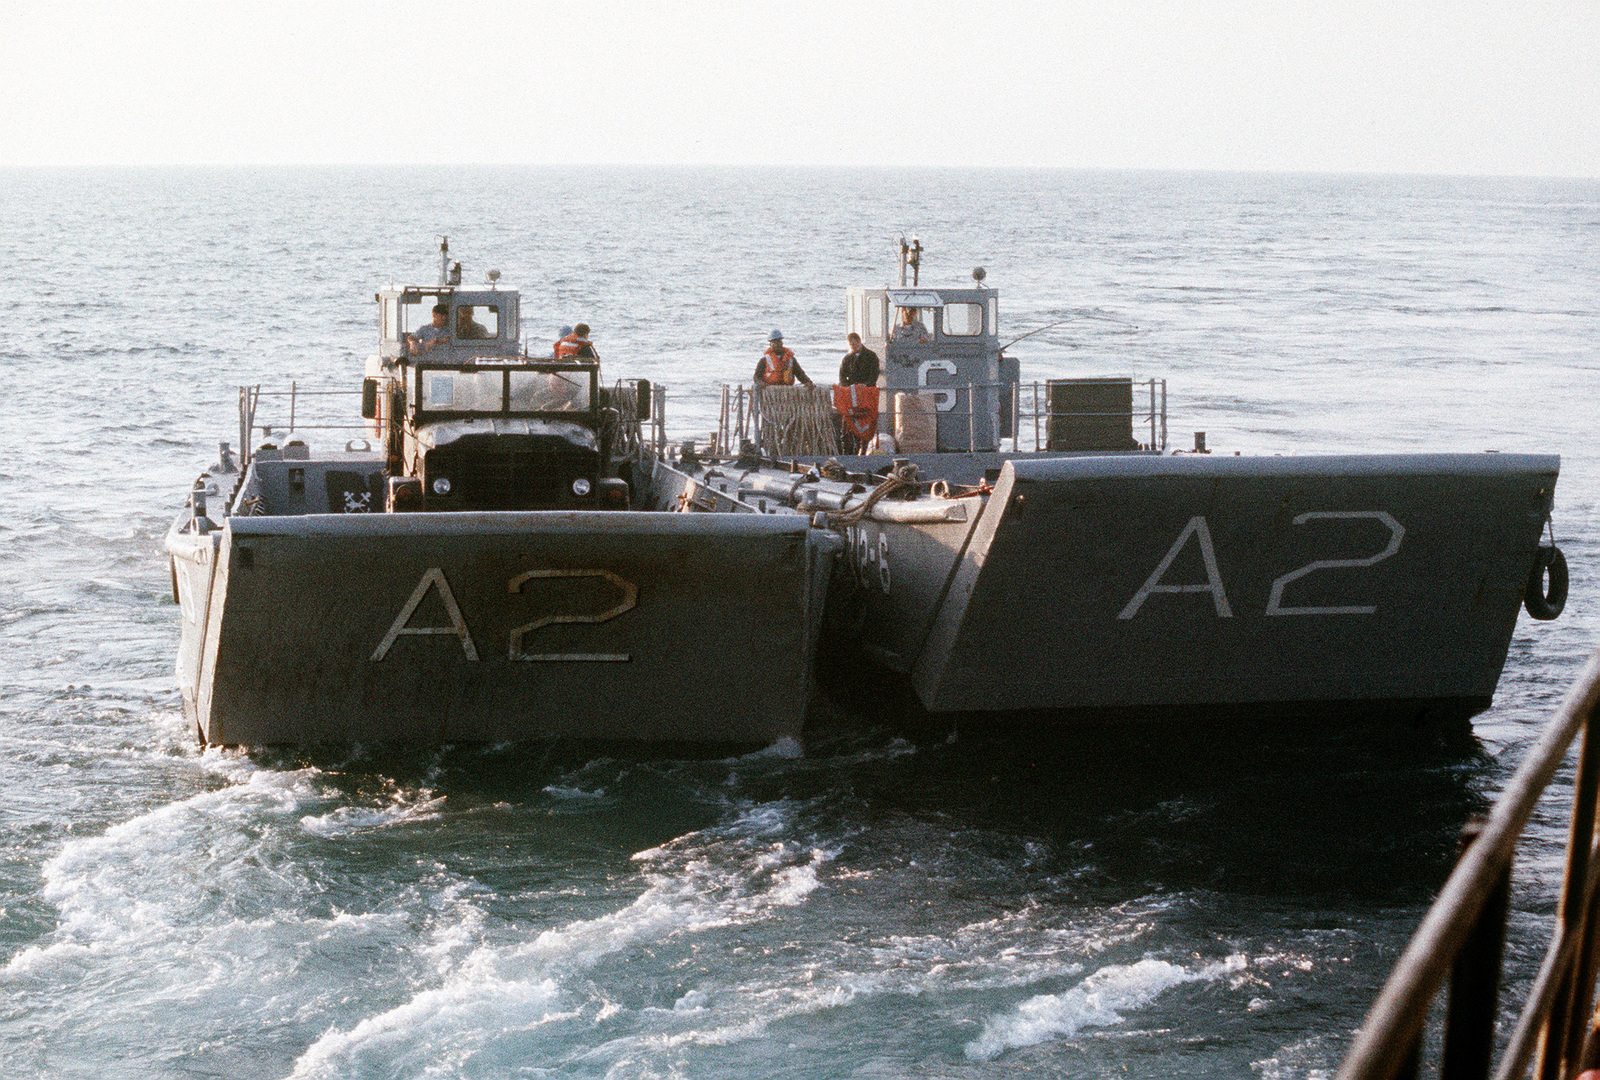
<point>777,366</point>
<point>576,345</point>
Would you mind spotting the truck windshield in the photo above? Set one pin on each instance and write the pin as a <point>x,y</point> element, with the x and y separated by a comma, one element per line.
<point>498,390</point>
<point>549,391</point>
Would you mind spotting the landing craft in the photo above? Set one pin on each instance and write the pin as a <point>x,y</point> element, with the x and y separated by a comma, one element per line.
<point>474,570</point>
<point>1101,575</point>
<point>509,556</point>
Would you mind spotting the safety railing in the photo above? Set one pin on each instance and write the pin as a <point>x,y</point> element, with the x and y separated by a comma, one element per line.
<point>974,416</point>
<point>808,424</point>
<point>656,423</point>
<point>623,425</point>
<point>296,399</point>
<point>1461,938</point>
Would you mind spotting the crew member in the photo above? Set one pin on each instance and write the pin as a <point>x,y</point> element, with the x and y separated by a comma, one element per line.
<point>555,350</point>
<point>434,334</point>
<point>910,330</point>
<point>467,328</point>
<point>777,366</point>
<point>860,364</point>
<point>856,397</point>
<point>576,345</point>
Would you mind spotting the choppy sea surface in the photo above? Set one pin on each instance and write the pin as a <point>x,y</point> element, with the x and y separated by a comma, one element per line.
<point>870,901</point>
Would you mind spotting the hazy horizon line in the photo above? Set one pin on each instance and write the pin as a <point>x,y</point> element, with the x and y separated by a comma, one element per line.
<point>132,166</point>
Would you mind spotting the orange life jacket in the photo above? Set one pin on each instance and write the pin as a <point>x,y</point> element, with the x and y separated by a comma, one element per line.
<point>571,345</point>
<point>778,369</point>
<point>858,405</point>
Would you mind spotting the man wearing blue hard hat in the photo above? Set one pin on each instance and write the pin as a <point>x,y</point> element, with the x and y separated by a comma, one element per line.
<point>777,366</point>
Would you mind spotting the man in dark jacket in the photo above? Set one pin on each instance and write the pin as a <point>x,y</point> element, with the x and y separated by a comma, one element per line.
<point>860,366</point>
<point>857,408</point>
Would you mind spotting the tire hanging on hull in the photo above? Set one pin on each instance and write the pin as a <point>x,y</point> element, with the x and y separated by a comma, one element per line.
<point>1545,602</point>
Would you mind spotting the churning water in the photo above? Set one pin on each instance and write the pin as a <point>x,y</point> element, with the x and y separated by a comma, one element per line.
<point>870,903</point>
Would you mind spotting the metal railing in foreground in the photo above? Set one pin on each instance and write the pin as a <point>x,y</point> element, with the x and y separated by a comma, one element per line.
<point>1463,934</point>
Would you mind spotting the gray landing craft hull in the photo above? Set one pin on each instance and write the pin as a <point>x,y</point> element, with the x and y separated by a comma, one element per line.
<point>1234,585</point>
<point>498,626</point>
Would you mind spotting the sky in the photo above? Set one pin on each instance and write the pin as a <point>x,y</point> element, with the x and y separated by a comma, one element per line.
<point>1399,86</point>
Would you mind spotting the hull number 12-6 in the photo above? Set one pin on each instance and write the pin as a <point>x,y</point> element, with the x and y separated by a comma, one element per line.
<point>869,557</point>
<point>1198,532</point>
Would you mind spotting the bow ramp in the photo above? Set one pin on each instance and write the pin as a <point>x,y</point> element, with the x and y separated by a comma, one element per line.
<point>495,626</point>
<point>1150,582</point>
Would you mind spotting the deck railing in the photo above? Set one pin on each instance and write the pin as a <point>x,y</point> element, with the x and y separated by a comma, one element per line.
<point>809,426</point>
<point>299,401</point>
<point>250,399</point>
<point>1462,936</point>
<point>742,419</point>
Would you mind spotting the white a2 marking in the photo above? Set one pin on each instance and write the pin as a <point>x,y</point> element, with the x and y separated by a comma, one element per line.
<point>1213,584</point>
<point>1275,605</point>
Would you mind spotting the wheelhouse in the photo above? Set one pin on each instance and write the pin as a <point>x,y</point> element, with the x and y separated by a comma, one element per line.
<point>943,342</point>
<point>478,322</point>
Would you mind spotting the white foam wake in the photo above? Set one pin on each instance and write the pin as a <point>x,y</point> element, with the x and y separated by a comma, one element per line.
<point>349,820</point>
<point>1098,1001</point>
<point>732,875</point>
<point>146,880</point>
<point>210,909</point>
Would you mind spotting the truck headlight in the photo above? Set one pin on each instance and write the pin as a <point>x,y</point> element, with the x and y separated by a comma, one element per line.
<point>581,486</point>
<point>441,485</point>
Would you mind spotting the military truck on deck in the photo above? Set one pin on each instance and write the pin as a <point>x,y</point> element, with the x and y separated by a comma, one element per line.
<point>470,422</point>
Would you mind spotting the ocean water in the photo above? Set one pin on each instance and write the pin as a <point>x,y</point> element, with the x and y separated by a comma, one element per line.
<point>874,900</point>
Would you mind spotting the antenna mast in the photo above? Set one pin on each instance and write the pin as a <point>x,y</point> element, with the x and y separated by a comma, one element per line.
<point>910,255</point>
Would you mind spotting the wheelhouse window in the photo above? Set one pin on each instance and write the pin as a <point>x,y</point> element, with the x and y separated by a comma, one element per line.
<point>416,311</point>
<point>963,320</point>
<point>910,326</point>
<point>476,322</point>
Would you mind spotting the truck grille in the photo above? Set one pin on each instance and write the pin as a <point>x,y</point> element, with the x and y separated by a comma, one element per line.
<point>511,472</point>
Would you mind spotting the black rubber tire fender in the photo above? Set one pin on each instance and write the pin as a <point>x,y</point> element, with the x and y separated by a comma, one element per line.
<point>1545,602</point>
